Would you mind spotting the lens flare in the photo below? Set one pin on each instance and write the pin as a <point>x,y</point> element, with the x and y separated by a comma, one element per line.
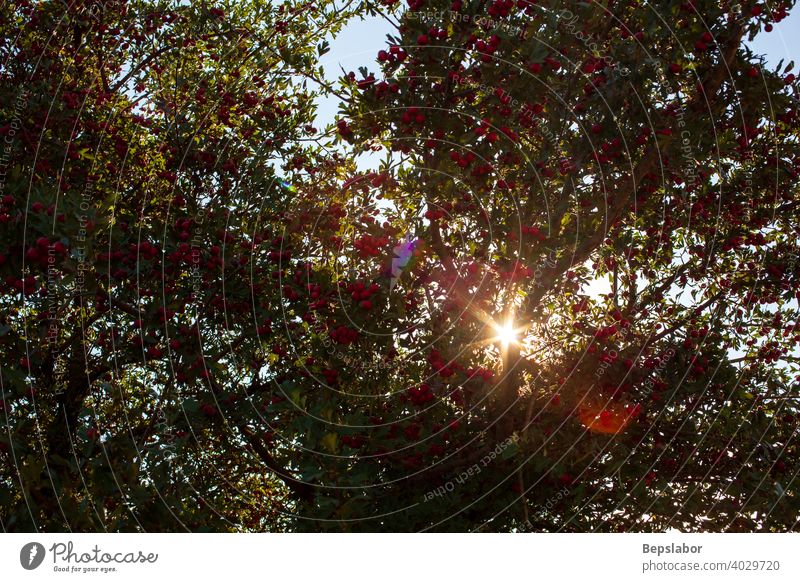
<point>287,186</point>
<point>401,256</point>
<point>506,333</point>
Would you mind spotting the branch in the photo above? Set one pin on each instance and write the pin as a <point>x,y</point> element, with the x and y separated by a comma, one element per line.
<point>300,489</point>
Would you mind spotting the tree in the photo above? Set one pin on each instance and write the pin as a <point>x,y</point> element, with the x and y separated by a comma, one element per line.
<point>566,300</point>
<point>145,140</point>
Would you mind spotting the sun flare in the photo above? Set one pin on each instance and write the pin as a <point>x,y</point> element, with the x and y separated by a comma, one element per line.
<point>506,333</point>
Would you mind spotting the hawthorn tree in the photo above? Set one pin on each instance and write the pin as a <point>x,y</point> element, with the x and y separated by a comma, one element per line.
<point>138,206</point>
<point>564,300</point>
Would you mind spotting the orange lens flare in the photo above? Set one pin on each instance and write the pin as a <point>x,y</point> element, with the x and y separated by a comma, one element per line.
<point>611,419</point>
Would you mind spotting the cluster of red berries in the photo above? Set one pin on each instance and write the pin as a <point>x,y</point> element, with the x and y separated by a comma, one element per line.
<point>412,115</point>
<point>609,150</point>
<point>136,253</point>
<point>485,49</point>
<point>565,166</point>
<point>290,293</point>
<point>366,82</point>
<point>433,34</point>
<point>208,410</point>
<point>435,214</point>
<point>439,366</point>
<point>384,87</point>
<point>279,256</point>
<point>420,395</point>
<point>533,232</point>
<point>705,42</point>
<point>361,292</point>
<point>580,306</point>
<point>353,441</point>
<point>464,160</point>
<point>343,128</point>
<point>605,332</point>
<point>331,376</point>
<point>395,54</point>
<point>482,374</point>
<point>370,246</point>
<point>413,431</point>
<point>344,335</point>
<point>514,272</point>
<point>40,251</point>
<point>502,8</point>
<point>6,204</point>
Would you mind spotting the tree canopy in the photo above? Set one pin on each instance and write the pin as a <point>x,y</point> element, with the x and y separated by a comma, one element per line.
<point>539,274</point>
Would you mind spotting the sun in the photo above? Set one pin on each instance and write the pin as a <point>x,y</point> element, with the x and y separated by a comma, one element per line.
<point>506,333</point>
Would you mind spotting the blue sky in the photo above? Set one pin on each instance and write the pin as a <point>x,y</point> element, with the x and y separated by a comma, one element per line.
<point>783,42</point>
<point>356,45</point>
